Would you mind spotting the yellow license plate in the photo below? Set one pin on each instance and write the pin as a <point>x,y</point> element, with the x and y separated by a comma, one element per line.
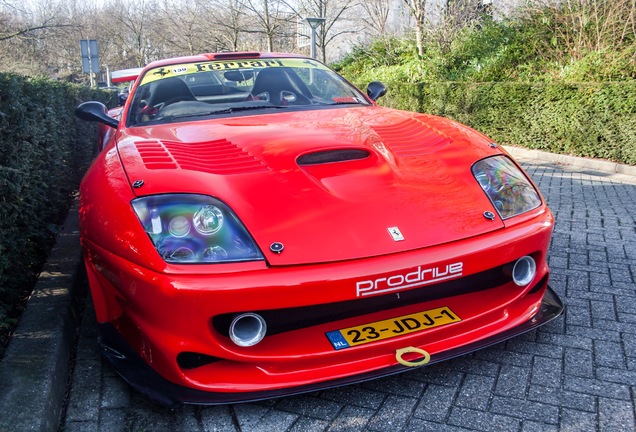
<point>375,331</point>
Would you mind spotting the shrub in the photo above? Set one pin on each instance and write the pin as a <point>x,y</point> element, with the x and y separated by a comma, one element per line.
<point>586,119</point>
<point>44,151</point>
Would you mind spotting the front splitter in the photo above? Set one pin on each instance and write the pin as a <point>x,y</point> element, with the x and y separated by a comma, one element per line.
<point>145,380</point>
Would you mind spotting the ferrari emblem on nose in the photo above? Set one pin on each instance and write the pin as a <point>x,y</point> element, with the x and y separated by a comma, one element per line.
<point>396,234</point>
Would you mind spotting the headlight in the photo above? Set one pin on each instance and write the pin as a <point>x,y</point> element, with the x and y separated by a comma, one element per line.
<point>507,187</point>
<point>194,229</point>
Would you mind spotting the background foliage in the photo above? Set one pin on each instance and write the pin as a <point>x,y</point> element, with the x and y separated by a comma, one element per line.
<point>586,119</point>
<point>557,76</point>
<point>44,151</point>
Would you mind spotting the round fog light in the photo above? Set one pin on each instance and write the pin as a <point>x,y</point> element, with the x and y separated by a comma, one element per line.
<point>247,329</point>
<point>524,270</point>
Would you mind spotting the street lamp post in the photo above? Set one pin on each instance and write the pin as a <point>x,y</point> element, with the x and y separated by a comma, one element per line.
<point>314,23</point>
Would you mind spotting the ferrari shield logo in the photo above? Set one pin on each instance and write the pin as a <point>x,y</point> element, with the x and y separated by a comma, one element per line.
<point>395,233</point>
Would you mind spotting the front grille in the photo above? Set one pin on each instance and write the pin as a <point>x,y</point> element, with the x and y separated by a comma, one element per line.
<point>282,320</point>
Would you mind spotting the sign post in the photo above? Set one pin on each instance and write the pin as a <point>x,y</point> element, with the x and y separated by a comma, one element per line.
<point>90,58</point>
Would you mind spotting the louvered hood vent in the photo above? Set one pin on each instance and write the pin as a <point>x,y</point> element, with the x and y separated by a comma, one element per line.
<point>214,157</point>
<point>329,156</point>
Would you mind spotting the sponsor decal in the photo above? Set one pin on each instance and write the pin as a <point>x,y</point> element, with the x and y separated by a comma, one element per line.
<point>225,65</point>
<point>415,277</point>
<point>238,64</point>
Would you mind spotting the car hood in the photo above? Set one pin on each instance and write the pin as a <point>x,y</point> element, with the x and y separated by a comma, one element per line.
<point>330,184</point>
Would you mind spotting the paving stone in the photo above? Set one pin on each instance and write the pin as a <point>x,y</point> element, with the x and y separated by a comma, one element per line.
<point>308,406</point>
<point>476,392</point>
<point>512,381</point>
<point>547,372</point>
<point>620,376</point>
<point>578,421</point>
<point>218,419</point>
<point>547,345</point>
<point>84,400</point>
<point>352,419</point>
<point>594,333</point>
<point>355,395</point>
<point>419,425</point>
<point>252,417</point>
<point>440,373</point>
<point>603,310</point>
<point>112,420</point>
<point>435,403</point>
<point>563,398</point>
<point>81,426</point>
<point>142,418</point>
<point>525,409</point>
<point>579,362</point>
<point>616,415</point>
<point>397,385</point>
<point>116,393</point>
<point>476,366</point>
<point>609,354</point>
<point>579,314</point>
<point>532,426</point>
<point>306,424</point>
<point>596,387</point>
<point>483,421</point>
<point>629,343</point>
<point>393,414</point>
<point>505,357</point>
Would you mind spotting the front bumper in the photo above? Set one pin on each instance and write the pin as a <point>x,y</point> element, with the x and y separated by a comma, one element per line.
<point>166,332</point>
<point>145,380</point>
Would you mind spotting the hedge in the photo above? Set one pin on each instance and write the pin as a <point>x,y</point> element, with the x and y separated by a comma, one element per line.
<point>595,120</point>
<point>44,151</point>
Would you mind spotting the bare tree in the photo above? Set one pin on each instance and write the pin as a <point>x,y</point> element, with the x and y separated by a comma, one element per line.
<point>378,13</point>
<point>135,30</point>
<point>17,21</point>
<point>272,16</point>
<point>231,19</point>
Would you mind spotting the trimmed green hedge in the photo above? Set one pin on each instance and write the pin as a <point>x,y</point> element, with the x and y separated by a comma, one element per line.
<point>44,151</point>
<point>595,120</point>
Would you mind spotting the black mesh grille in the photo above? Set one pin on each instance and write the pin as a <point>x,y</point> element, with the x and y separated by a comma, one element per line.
<point>282,320</point>
<point>329,156</point>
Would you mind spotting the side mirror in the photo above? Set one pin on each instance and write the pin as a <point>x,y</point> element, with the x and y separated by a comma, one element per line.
<point>375,90</point>
<point>122,97</point>
<point>95,111</point>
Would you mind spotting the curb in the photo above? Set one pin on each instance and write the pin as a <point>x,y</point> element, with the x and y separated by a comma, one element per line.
<point>34,372</point>
<point>593,164</point>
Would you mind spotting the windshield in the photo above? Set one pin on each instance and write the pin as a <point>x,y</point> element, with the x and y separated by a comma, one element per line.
<point>187,91</point>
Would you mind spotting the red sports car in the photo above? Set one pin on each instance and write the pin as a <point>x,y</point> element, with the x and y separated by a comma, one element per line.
<point>255,226</point>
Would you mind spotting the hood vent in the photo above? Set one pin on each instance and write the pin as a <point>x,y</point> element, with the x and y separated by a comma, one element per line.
<point>329,156</point>
<point>214,157</point>
<point>412,138</point>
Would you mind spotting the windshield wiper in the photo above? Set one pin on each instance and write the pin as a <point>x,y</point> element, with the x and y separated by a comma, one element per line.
<point>346,101</point>
<point>251,107</point>
<point>213,112</point>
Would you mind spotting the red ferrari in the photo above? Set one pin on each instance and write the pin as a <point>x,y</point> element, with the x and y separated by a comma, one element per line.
<point>255,226</point>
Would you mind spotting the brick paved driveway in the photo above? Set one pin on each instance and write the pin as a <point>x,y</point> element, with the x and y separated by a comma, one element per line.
<point>578,373</point>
